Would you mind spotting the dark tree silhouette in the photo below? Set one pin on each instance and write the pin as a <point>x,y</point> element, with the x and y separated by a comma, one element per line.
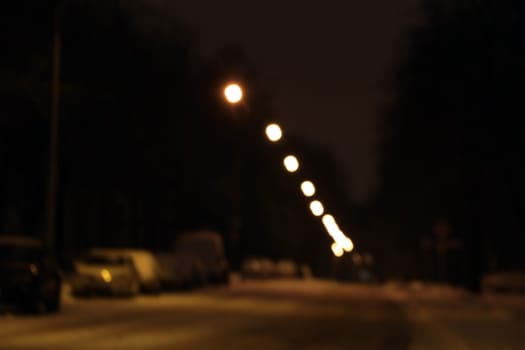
<point>453,149</point>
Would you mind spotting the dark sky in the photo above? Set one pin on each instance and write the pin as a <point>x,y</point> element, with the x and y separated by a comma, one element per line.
<point>328,62</point>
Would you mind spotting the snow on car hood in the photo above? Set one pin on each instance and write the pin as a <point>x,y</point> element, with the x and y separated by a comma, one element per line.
<point>94,270</point>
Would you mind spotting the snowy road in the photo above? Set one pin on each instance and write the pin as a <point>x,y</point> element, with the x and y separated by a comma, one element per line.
<point>276,315</point>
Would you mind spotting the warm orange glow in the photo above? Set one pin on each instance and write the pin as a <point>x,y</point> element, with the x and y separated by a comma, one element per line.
<point>291,163</point>
<point>233,93</point>
<point>274,132</point>
<point>330,224</point>
<point>337,250</point>
<point>335,232</point>
<point>347,245</point>
<point>308,188</point>
<point>106,275</point>
<point>357,259</point>
<point>317,208</point>
<point>33,269</point>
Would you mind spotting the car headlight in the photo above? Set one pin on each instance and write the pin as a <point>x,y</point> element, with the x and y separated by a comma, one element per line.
<point>106,275</point>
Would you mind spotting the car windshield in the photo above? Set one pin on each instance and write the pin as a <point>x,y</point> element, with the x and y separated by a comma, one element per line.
<point>104,260</point>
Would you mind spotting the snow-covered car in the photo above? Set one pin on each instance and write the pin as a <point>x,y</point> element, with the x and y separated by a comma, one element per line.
<point>144,263</point>
<point>102,273</point>
<point>29,277</point>
<point>286,269</point>
<point>504,281</point>
<point>257,268</point>
<point>171,275</point>
<point>180,271</point>
<point>207,247</point>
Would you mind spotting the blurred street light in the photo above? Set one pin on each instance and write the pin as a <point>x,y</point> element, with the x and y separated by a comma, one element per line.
<point>337,250</point>
<point>106,275</point>
<point>233,93</point>
<point>291,164</point>
<point>347,245</point>
<point>274,132</point>
<point>317,208</point>
<point>335,232</point>
<point>308,188</point>
<point>330,224</point>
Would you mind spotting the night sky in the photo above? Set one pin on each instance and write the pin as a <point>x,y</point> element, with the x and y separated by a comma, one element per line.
<point>328,62</point>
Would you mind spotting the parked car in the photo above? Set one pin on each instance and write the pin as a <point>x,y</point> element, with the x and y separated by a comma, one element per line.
<point>259,268</point>
<point>504,281</point>
<point>179,271</point>
<point>286,269</point>
<point>144,262</point>
<point>207,247</point>
<point>171,275</point>
<point>103,273</point>
<point>29,277</point>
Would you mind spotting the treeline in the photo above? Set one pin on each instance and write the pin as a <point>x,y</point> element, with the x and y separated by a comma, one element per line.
<point>452,204</point>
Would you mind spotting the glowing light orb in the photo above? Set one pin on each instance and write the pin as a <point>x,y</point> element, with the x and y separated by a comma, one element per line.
<point>274,132</point>
<point>291,164</point>
<point>308,188</point>
<point>233,93</point>
<point>105,275</point>
<point>317,208</point>
<point>337,250</point>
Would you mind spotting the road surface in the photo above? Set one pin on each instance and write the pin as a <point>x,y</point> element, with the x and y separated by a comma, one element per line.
<point>276,315</point>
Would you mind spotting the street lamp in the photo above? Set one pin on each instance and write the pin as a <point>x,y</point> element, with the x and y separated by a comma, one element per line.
<point>308,188</point>
<point>274,132</point>
<point>337,235</point>
<point>330,224</point>
<point>337,250</point>
<point>317,208</point>
<point>233,93</point>
<point>291,164</point>
<point>347,245</point>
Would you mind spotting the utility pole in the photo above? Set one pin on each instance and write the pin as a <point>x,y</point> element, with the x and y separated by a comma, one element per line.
<point>53,133</point>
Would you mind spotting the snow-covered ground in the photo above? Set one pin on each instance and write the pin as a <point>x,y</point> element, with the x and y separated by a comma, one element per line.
<point>280,314</point>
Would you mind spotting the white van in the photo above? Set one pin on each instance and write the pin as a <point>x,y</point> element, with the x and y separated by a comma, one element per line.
<point>207,247</point>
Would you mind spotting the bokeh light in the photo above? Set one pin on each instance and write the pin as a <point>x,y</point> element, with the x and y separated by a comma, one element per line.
<point>317,208</point>
<point>337,250</point>
<point>274,132</point>
<point>233,93</point>
<point>291,163</point>
<point>105,275</point>
<point>308,188</point>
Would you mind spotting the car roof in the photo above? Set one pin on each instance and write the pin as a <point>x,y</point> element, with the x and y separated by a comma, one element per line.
<point>119,251</point>
<point>20,240</point>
